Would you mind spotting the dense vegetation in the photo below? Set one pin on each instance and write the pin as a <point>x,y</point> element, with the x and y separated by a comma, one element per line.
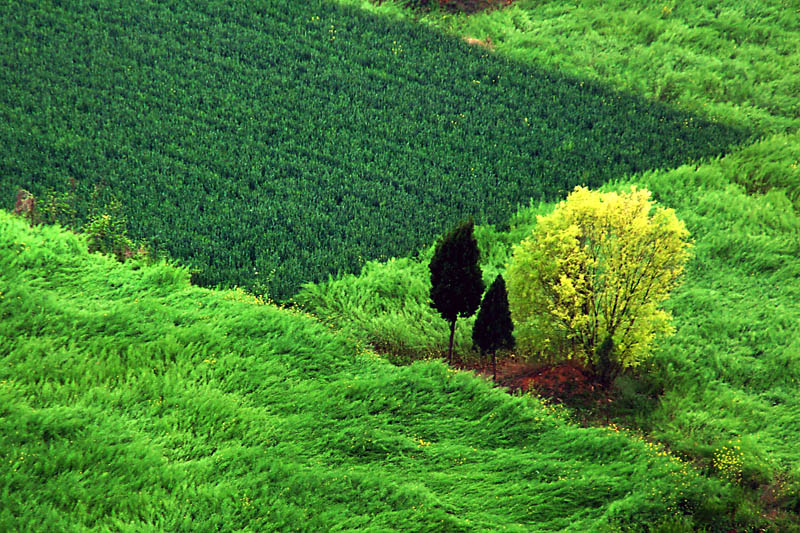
<point>737,62</point>
<point>599,267</point>
<point>456,279</point>
<point>270,146</point>
<point>723,389</point>
<point>729,375</point>
<point>131,400</point>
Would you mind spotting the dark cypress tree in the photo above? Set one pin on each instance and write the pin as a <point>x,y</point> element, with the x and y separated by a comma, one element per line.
<point>493,328</point>
<point>456,281</point>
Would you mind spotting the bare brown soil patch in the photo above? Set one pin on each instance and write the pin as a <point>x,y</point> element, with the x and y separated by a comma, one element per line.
<point>562,382</point>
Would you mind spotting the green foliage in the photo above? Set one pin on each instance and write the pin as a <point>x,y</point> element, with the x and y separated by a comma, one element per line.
<point>460,6</point>
<point>54,207</point>
<point>735,62</point>
<point>60,207</point>
<point>730,371</point>
<point>131,400</point>
<point>493,329</point>
<point>734,363</point>
<point>600,265</point>
<point>107,233</point>
<point>731,368</point>
<point>386,306</point>
<point>268,146</point>
<point>456,280</point>
<point>106,229</point>
<point>773,164</point>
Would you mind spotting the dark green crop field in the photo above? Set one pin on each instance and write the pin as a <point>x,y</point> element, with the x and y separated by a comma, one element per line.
<point>268,144</point>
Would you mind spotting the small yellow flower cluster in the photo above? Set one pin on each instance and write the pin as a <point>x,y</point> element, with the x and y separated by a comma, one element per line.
<point>421,443</point>
<point>159,401</point>
<point>237,294</point>
<point>728,461</point>
<point>396,48</point>
<point>16,461</point>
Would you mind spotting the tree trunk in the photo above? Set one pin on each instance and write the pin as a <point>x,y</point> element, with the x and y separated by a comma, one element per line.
<point>452,334</point>
<point>494,367</point>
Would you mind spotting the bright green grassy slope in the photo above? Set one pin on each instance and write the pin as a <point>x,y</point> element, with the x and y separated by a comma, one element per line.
<point>132,401</point>
<point>731,373</point>
<point>739,61</point>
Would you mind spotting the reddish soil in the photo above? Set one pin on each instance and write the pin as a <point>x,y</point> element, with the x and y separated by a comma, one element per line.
<point>559,382</point>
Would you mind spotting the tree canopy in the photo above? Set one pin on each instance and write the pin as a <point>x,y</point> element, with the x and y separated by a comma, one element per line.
<point>456,280</point>
<point>599,266</point>
<point>493,329</point>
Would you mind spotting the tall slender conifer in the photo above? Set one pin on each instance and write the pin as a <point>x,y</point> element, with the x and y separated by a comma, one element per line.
<point>493,328</point>
<point>456,281</point>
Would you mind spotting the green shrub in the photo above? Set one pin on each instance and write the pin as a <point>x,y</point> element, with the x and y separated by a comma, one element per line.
<point>597,269</point>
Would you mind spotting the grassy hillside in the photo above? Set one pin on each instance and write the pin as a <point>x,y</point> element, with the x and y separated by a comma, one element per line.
<point>730,375</point>
<point>387,304</point>
<point>269,144</point>
<point>737,62</point>
<point>130,400</point>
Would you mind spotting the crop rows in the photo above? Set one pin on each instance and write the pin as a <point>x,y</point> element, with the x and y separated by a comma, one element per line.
<point>270,144</point>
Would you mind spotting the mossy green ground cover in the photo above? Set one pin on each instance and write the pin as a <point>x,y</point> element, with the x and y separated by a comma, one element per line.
<point>131,400</point>
<point>272,143</point>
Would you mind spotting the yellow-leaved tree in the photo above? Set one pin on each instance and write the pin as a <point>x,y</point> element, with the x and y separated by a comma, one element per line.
<point>589,281</point>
